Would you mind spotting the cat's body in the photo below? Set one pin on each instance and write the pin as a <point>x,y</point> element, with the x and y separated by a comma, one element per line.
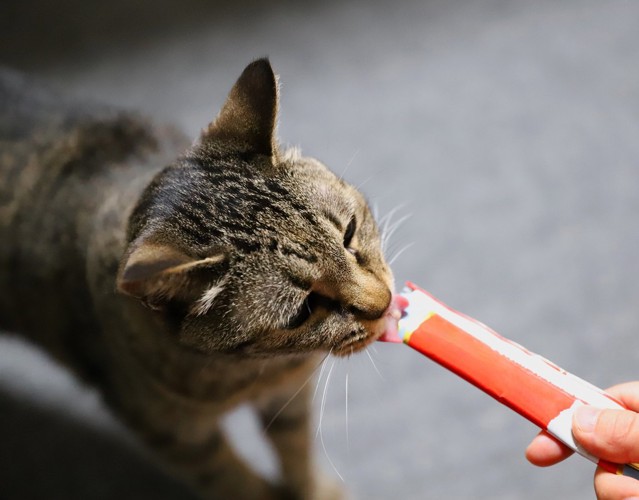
<point>183,291</point>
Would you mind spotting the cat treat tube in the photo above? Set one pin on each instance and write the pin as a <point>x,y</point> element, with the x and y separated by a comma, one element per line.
<point>525,382</point>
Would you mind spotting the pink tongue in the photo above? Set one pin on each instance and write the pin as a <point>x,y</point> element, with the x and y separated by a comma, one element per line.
<point>392,316</point>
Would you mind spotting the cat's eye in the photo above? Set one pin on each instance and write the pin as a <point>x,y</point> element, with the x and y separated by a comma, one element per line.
<point>349,234</point>
<point>302,314</point>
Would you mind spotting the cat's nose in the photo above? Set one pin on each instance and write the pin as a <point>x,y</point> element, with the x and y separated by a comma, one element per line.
<point>371,303</point>
<point>365,296</point>
<point>370,314</point>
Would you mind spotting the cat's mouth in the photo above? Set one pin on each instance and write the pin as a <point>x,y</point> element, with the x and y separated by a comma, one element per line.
<point>383,328</point>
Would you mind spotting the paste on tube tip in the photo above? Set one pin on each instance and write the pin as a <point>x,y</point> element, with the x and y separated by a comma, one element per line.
<point>392,316</point>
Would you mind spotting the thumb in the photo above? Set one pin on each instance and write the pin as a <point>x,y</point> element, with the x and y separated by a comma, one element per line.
<point>609,434</point>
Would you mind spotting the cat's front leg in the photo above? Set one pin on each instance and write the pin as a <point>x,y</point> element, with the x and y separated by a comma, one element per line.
<point>286,419</point>
<point>209,465</point>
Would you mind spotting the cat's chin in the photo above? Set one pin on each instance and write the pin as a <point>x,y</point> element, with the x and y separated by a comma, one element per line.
<point>361,341</point>
<point>353,346</point>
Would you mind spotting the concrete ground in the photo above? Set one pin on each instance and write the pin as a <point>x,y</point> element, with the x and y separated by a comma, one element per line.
<point>507,130</point>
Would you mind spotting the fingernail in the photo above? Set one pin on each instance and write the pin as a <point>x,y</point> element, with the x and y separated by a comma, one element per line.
<point>586,418</point>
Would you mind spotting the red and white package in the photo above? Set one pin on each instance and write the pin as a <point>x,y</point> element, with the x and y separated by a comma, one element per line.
<point>525,382</point>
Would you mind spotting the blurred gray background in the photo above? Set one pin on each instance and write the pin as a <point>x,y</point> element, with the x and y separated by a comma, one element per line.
<point>509,131</point>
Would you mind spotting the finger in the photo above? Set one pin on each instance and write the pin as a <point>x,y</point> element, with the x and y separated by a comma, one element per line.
<point>627,393</point>
<point>544,450</point>
<point>610,486</point>
<point>609,434</point>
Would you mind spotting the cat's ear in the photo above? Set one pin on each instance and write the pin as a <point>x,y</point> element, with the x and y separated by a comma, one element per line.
<point>158,273</point>
<point>248,119</point>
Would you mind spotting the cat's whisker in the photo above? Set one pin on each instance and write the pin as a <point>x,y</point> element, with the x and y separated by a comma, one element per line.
<point>353,157</point>
<point>386,227</point>
<point>348,441</point>
<point>395,226</point>
<point>323,403</point>
<point>323,364</point>
<point>394,248</point>
<point>390,230</point>
<point>301,388</point>
<point>385,219</point>
<point>329,459</point>
<point>374,365</point>
<point>399,253</point>
<point>319,427</point>
<point>383,224</point>
<point>363,183</point>
<point>375,353</point>
<point>348,164</point>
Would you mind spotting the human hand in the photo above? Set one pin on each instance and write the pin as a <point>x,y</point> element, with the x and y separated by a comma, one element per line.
<point>612,435</point>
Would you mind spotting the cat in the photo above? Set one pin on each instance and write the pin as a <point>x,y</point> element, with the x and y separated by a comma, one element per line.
<point>184,279</point>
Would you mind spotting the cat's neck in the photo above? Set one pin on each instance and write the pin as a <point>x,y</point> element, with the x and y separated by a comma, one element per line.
<point>154,358</point>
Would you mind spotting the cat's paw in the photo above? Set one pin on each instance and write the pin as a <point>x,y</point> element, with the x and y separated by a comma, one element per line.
<point>323,488</point>
<point>327,488</point>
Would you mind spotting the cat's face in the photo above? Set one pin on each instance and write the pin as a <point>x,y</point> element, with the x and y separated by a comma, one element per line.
<point>249,249</point>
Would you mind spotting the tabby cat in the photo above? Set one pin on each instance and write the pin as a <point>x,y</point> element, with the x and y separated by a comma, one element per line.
<point>181,291</point>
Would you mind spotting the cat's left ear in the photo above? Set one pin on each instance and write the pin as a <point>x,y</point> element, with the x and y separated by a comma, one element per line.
<point>159,273</point>
<point>248,119</point>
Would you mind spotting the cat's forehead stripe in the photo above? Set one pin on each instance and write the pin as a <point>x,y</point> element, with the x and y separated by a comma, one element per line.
<point>335,221</point>
<point>298,282</point>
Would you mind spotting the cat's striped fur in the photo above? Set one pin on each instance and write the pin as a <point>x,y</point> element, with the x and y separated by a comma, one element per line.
<point>181,291</point>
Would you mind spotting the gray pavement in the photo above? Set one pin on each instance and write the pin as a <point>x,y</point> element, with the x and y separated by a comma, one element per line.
<point>509,131</point>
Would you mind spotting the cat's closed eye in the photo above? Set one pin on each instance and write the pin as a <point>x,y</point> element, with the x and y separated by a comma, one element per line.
<point>303,313</point>
<point>349,234</point>
<point>312,302</point>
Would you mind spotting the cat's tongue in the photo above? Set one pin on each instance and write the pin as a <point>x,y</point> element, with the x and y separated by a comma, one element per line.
<point>392,317</point>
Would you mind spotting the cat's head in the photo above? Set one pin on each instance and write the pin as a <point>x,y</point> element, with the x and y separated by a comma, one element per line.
<point>248,248</point>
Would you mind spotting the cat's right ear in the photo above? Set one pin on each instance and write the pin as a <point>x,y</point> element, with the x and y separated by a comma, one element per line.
<point>158,273</point>
<point>248,118</point>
